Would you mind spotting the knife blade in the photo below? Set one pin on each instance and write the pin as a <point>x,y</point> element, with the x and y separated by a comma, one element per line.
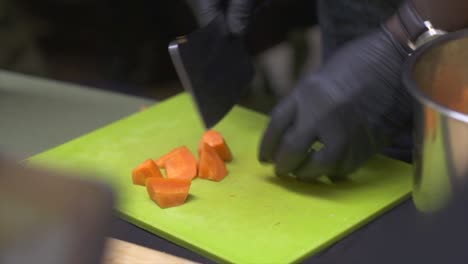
<point>214,67</point>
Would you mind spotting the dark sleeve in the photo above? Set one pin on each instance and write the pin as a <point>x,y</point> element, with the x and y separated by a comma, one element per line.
<point>342,21</point>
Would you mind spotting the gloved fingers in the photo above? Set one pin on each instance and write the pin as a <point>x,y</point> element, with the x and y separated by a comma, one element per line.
<point>319,163</point>
<point>205,10</point>
<point>354,157</point>
<point>292,150</point>
<point>327,160</point>
<point>354,147</point>
<point>310,169</point>
<point>282,117</point>
<point>238,15</point>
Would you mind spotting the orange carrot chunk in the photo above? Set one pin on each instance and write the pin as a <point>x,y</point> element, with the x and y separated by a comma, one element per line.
<point>215,140</point>
<point>182,165</point>
<point>179,163</point>
<point>147,169</point>
<point>211,166</point>
<point>168,192</point>
<point>161,162</point>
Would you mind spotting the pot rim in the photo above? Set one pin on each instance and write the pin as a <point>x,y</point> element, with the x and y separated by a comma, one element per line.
<point>410,82</point>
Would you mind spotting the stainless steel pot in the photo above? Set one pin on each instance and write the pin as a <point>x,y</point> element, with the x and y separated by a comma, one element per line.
<point>437,77</point>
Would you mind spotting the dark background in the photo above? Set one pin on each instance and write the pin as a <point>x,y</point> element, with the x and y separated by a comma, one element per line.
<point>122,45</point>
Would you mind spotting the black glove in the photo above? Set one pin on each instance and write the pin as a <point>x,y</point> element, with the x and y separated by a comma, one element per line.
<point>236,12</point>
<point>355,104</point>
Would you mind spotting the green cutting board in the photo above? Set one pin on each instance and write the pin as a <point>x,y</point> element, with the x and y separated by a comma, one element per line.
<point>251,216</point>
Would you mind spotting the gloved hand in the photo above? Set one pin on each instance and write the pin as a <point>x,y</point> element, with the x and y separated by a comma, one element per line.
<point>236,12</point>
<point>355,104</point>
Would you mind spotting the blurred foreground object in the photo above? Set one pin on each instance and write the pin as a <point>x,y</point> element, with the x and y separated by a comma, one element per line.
<point>51,218</point>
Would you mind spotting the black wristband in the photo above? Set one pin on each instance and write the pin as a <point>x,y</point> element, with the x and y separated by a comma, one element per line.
<point>411,21</point>
<point>417,31</point>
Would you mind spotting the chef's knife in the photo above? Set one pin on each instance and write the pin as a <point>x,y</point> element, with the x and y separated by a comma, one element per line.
<point>214,67</point>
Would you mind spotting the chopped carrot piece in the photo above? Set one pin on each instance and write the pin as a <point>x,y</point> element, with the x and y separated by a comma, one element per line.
<point>211,166</point>
<point>147,169</point>
<point>182,165</point>
<point>179,163</point>
<point>168,192</point>
<point>161,162</point>
<point>215,140</point>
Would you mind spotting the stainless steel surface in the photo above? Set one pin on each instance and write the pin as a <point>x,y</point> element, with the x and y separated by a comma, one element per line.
<point>427,36</point>
<point>178,64</point>
<point>437,76</point>
<point>214,68</point>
